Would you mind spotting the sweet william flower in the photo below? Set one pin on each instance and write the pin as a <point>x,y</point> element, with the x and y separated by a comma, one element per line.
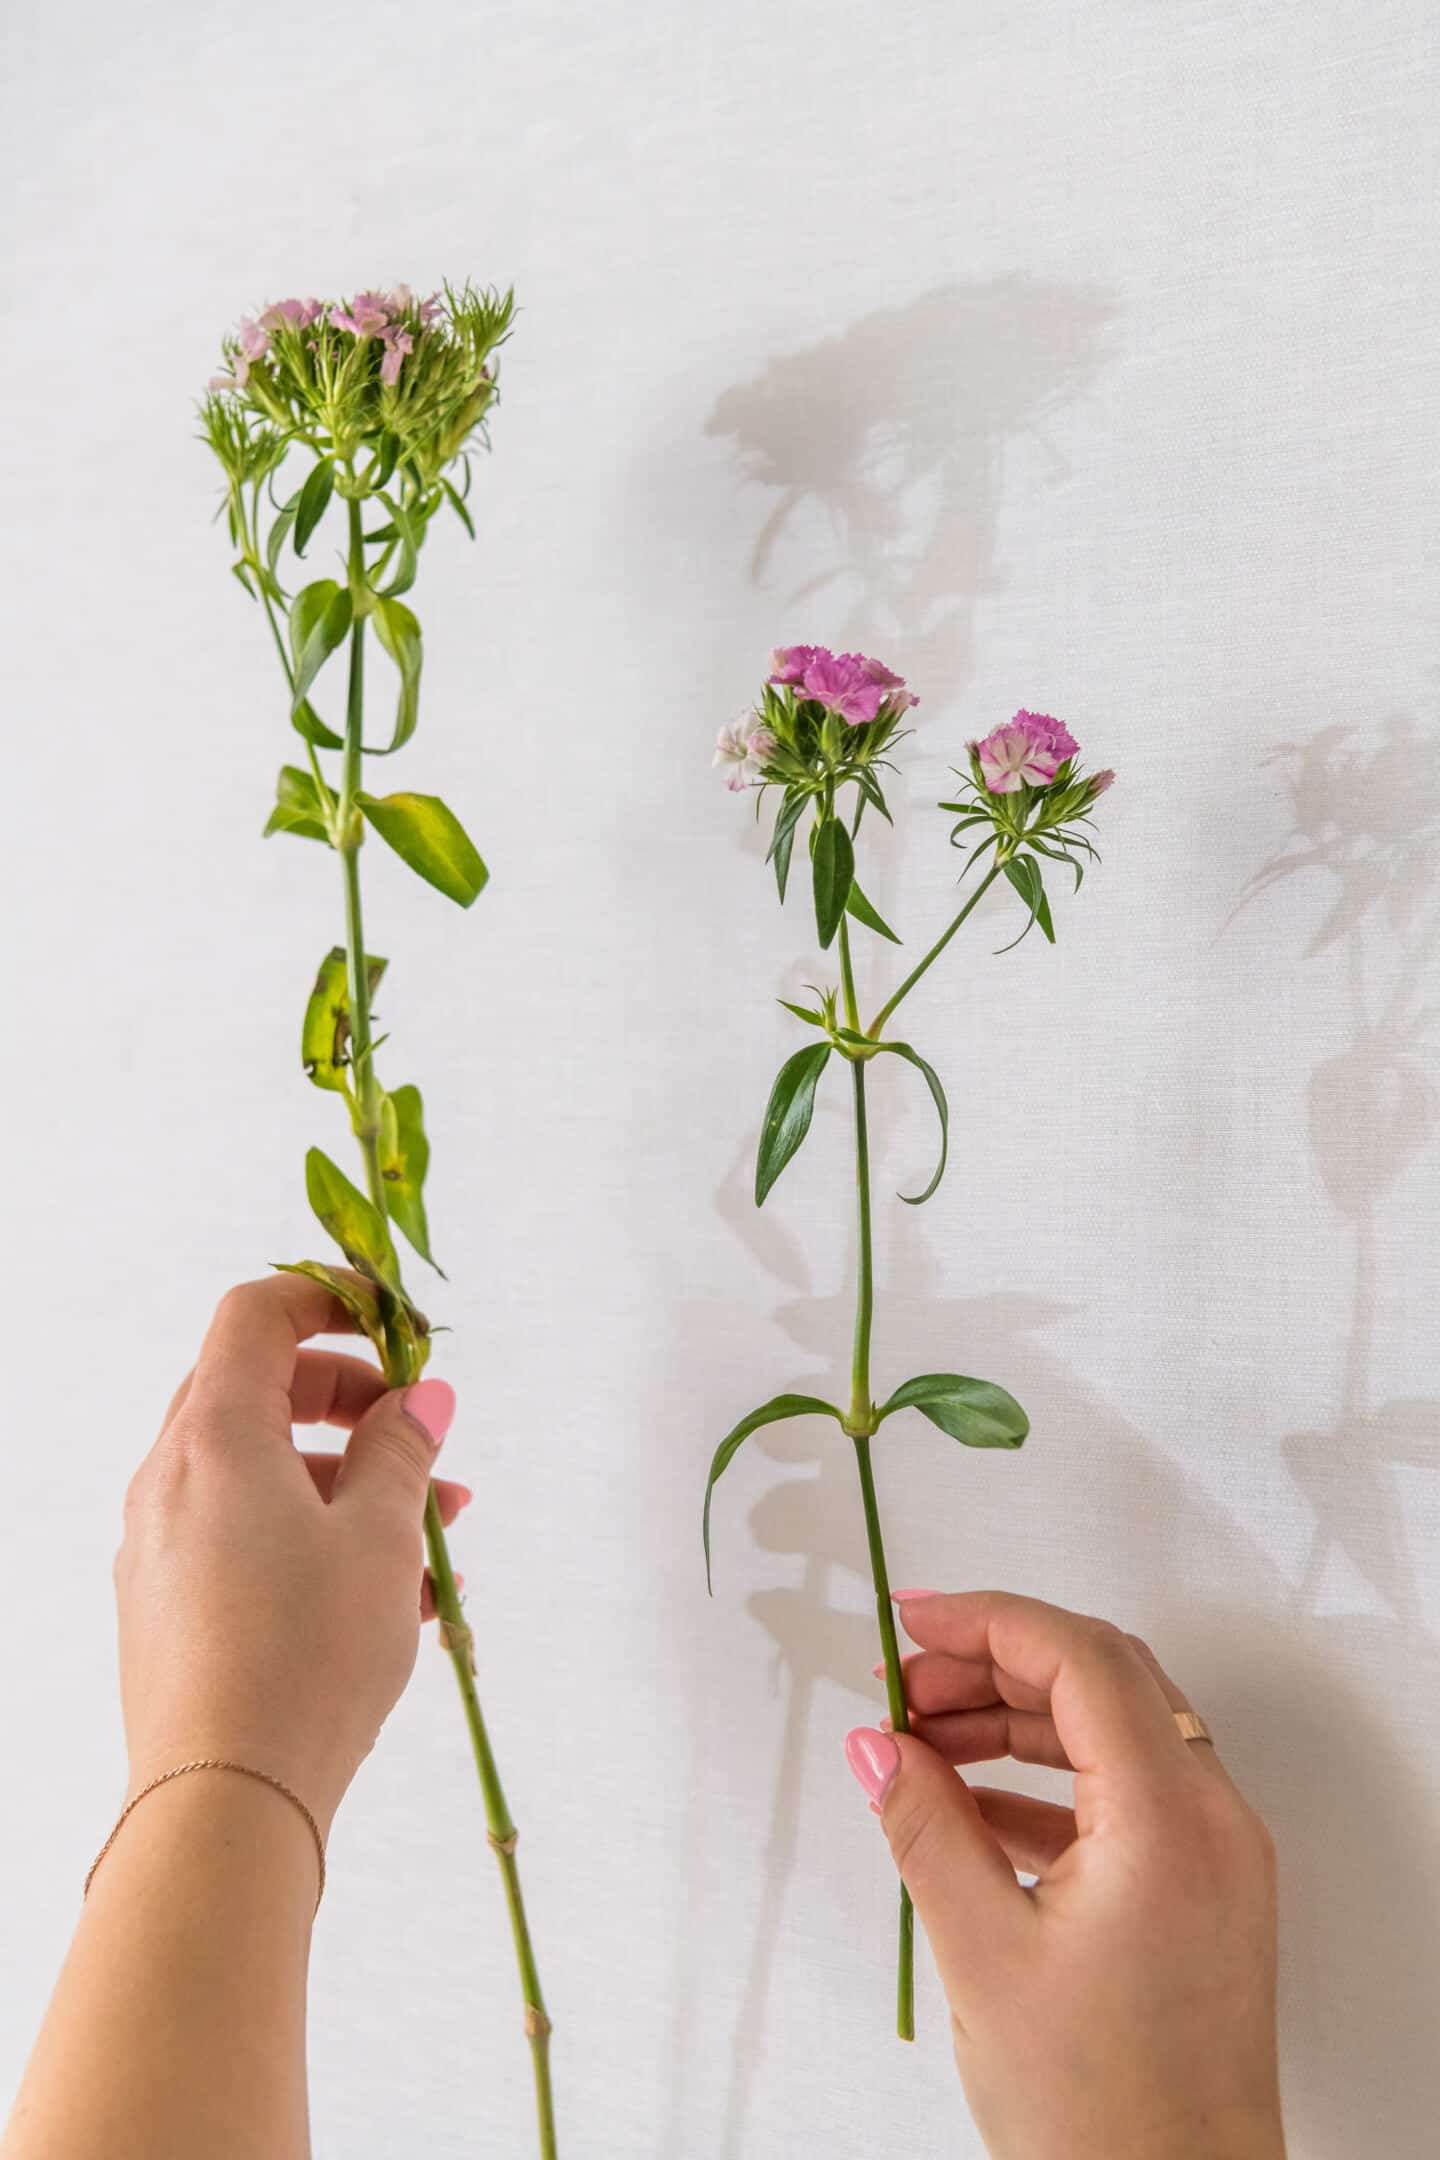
<point>1100,781</point>
<point>1027,751</point>
<point>741,749</point>
<point>789,662</point>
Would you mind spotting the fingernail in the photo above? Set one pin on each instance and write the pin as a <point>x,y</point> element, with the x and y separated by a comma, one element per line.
<point>898,1597</point>
<point>874,1760</point>
<point>432,1405</point>
<point>887,1724</point>
<point>879,1670</point>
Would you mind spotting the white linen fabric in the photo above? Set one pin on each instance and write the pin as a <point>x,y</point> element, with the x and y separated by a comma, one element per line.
<point>1073,356</point>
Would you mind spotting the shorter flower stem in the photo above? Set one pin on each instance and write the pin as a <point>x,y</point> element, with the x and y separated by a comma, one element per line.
<point>899,1719</point>
<point>860,1424</point>
<point>877,1024</point>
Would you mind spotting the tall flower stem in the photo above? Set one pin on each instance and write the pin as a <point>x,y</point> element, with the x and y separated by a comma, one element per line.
<point>455,1632</point>
<point>935,951</point>
<point>860,1424</point>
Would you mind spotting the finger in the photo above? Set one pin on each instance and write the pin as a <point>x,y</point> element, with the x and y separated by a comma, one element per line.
<point>992,1734</point>
<point>450,1497</point>
<point>1110,1715</point>
<point>329,1388</point>
<point>963,1885</point>
<point>248,1359</point>
<point>1202,1752</point>
<point>387,1466</point>
<point>935,1681</point>
<point>427,1595</point>
<point>1033,1834</point>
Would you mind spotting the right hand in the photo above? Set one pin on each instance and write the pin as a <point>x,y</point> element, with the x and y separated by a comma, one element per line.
<point>1123,2009</point>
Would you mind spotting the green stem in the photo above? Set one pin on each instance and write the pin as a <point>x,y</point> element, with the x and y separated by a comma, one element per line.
<point>878,1023</point>
<point>860,1425</point>
<point>455,1632</point>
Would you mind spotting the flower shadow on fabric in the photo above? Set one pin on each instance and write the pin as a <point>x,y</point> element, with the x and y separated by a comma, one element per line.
<point>884,448</point>
<point>1367,823</point>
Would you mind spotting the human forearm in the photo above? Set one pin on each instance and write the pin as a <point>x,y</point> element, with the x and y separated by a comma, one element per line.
<point>178,2024</point>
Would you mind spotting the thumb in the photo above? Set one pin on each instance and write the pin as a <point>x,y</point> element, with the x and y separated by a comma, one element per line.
<point>391,1452</point>
<point>963,1887</point>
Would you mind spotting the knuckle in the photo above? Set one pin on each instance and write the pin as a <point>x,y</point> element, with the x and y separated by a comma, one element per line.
<point>914,1836</point>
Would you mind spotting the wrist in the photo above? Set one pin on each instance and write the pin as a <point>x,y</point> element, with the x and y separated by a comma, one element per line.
<point>218,1836</point>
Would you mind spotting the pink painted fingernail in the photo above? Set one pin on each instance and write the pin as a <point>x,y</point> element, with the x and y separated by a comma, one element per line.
<point>879,1670</point>
<point>874,1759</point>
<point>432,1405</point>
<point>899,1596</point>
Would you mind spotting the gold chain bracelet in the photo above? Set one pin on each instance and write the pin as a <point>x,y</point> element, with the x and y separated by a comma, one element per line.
<point>167,1777</point>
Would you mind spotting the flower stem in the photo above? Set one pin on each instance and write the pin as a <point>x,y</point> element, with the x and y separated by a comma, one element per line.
<point>878,1023</point>
<point>455,1632</point>
<point>860,1425</point>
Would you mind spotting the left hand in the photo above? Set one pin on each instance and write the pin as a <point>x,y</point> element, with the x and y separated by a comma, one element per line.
<point>270,1602</point>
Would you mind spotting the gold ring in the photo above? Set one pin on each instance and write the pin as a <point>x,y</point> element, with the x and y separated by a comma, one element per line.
<point>1193,1727</point>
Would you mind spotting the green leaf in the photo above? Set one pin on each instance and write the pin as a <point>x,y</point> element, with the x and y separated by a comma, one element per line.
<point>361,1298</point>
<point>399,1331</point>
<point>975,1412</point>
<point>932,1081</point>
<point>858,906</point>
<point>325,1030</point>
<point>788,1114</point>
<point>803,1012</point>
<point>404,1160</point>
<point>299,806</point>
<point>457,504</point>
<point>770,1413</point>
<point>410,537</point>
<point>320,618</point>
<point>284,519</point>
<point>870,791</point>
<point>307,722</point>
<point>1024,874</point>
<point>355,1223</point>
<point>834,874</point>
<point>787,817</point>
<point>390,447</point>
<point>313,501</point>
<point>426,833</point>
<point>399,633</point>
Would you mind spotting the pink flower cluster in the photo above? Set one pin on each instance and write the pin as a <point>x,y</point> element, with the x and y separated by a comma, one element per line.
<point>370,314</point>
<point>1027,751</point>
<point>849,684</point>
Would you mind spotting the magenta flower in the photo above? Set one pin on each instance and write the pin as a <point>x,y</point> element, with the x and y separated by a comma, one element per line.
<point>849,684</point>
<point>842,683</point>
<point>789,662</point>
<point>1100,781</point>
<point>1027,752</point>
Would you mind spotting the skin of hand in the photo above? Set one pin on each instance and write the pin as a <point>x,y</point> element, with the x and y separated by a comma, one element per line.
<point>1123,2008</point>
<point>270,1605</point>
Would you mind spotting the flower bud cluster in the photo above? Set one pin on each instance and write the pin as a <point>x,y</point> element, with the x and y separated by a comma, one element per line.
<point>351,375</point>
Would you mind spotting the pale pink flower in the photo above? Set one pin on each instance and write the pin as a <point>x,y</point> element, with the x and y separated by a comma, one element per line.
<point>741,749</point>
<point>292,314</point>
<point>367,315</point>
<point>1027,752</point>
<point>1100,781</point>
<point>397,344</point>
